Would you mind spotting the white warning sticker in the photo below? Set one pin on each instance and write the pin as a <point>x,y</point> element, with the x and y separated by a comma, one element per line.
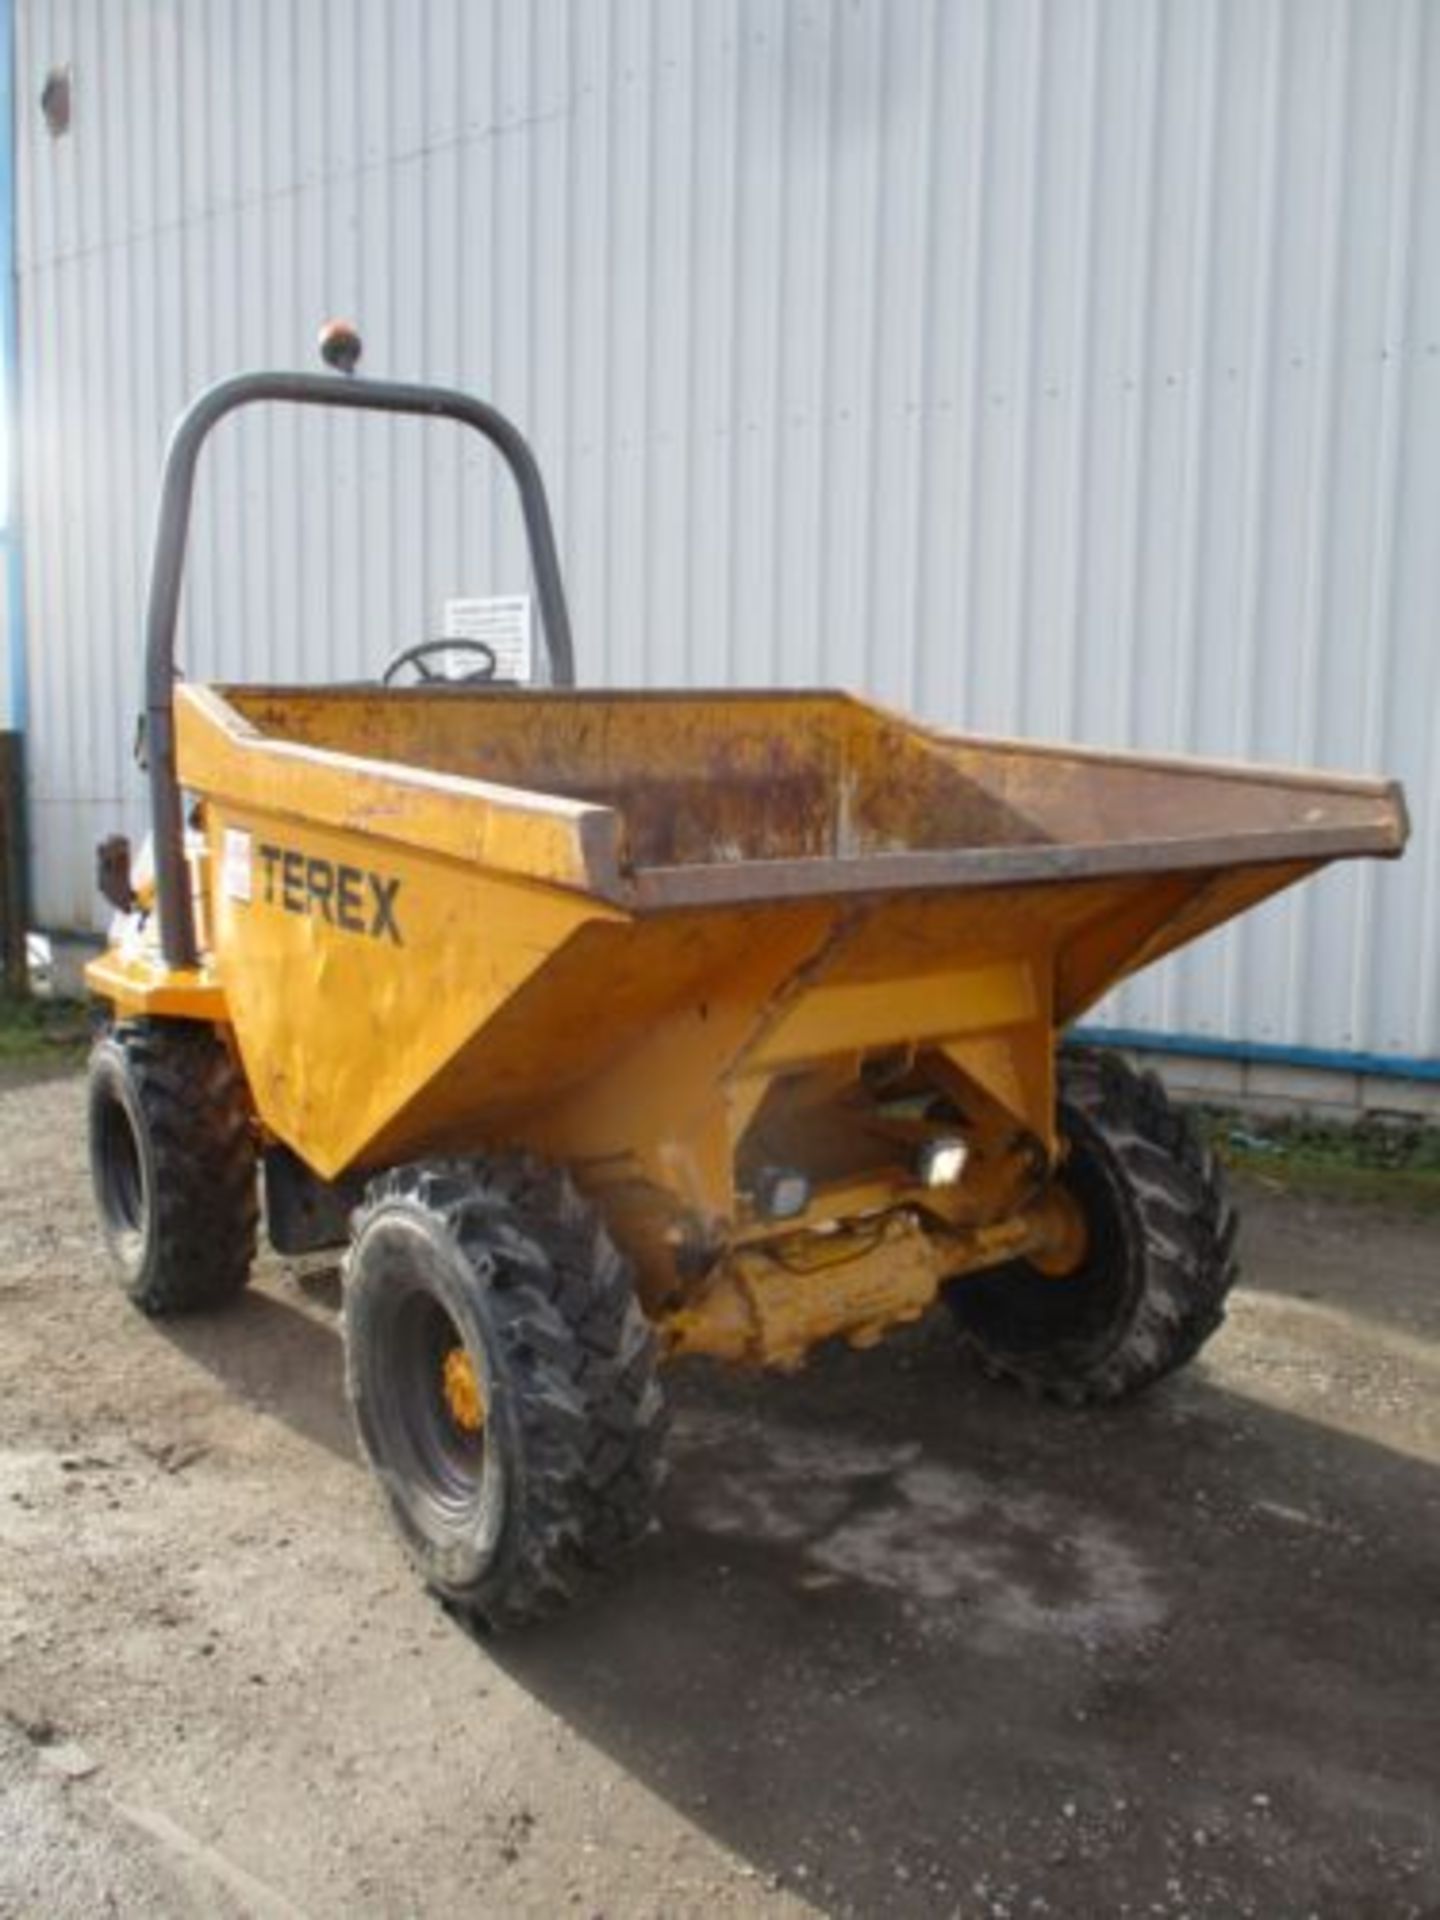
<point>236,865</point>
<point>503,624</point>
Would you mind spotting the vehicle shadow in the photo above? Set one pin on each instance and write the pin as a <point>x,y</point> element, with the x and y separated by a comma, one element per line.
<point>908,1643</point>
<point>913,1645</point>
<point>1329,1250</point>
<point>277,1348</point>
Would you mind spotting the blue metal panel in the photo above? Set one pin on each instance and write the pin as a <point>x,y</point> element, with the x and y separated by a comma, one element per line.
<point>1381,1066</point>
<point>11,552</point>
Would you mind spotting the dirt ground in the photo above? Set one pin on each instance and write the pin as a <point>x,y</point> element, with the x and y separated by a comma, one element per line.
<point>904,1644</point>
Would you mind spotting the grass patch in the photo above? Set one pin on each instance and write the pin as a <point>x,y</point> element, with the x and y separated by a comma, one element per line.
<point>42,1033</point>
<point>1392,1160</point>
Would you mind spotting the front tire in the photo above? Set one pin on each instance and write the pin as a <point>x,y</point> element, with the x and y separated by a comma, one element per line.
<point>503,1382</point>
<point>173,1165</point>
<point>1159,1260</point>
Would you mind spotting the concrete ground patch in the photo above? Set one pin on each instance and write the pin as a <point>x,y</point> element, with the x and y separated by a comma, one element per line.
<point>904,1644</point>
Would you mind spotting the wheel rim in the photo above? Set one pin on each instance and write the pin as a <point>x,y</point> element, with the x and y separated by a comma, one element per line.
<point>1076,1316</point>
<point>429,1429</point>
<point>121,1183</point>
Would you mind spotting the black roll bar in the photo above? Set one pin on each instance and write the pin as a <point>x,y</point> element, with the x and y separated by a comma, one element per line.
<point>172,889</point>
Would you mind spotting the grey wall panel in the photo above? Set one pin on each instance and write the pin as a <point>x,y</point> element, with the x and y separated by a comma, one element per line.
<point>1065,369</point>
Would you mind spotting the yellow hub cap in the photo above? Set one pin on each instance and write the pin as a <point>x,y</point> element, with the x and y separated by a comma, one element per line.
<point>462,1391</point>
<point>1065,1237</point>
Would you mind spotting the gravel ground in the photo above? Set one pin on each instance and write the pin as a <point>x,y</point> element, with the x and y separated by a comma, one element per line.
<point>904,1644</point>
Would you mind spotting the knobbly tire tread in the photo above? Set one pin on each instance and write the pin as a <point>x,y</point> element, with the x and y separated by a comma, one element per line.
<point>204,1198</point>
<point>575,1357</point>
<point>1177,1222</point>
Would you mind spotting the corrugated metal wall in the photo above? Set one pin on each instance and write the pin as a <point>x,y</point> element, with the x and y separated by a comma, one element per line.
<point>1070,369</point>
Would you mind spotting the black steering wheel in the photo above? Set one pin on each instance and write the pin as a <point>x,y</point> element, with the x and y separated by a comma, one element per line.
<point>419,658</point>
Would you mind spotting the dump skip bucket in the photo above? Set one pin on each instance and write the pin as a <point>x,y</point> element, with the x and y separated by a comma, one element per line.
<point>440,918</point>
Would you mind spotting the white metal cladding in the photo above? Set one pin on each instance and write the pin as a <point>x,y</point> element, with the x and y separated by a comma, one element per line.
<point>1065,369</point>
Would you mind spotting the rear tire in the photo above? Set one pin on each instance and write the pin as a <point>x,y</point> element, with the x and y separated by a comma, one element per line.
<point>1160,1261</point>
<point>173,1165</point>
<point>512,1503</point>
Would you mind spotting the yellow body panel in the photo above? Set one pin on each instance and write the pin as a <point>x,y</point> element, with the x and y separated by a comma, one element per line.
<point>675,941</point>
<point>141,987</point>
<point>547,840</point>
<point>342,1028</point>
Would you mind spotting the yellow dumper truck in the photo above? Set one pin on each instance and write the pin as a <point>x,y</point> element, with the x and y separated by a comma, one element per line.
<point>607,1028</point>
